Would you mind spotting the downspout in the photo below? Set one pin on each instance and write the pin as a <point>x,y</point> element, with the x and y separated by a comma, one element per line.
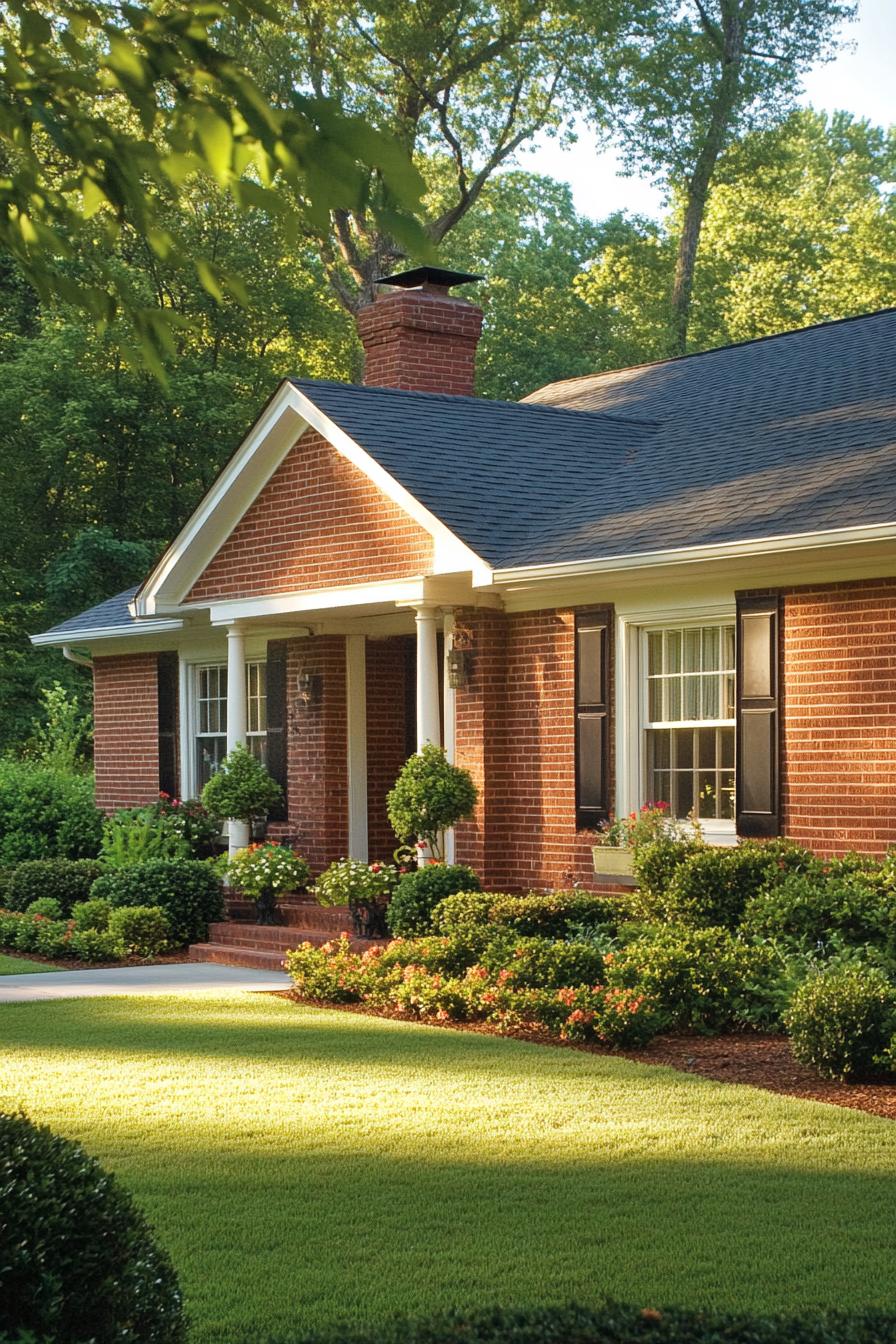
<point>79,659</point>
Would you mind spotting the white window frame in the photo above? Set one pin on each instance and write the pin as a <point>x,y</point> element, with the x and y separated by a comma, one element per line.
<point>631,703</point>
<point>190,667</point>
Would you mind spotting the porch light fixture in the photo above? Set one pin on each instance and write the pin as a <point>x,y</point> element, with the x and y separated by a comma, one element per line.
<point>309,688</point>
<point>458,662</point>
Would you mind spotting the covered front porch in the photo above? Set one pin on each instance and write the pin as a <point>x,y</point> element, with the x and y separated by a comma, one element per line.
<point>335,690</point>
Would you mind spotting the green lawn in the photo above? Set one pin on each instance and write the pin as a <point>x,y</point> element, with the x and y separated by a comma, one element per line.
<point>21,966</point>
<point>306,1167</point>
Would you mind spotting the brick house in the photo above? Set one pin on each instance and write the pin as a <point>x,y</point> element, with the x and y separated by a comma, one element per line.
<point>674,581</point>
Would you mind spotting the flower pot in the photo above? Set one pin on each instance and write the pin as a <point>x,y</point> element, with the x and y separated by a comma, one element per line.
<point>266,911</point>
<point>258,828</point>
<point>615,865</point>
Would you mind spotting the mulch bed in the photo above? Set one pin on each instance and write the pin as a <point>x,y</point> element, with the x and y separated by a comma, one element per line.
<point>742,1057</point>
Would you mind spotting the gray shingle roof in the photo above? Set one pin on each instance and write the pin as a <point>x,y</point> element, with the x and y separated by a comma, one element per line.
<point>113,612</point>
<point>787,435</point>
<point>492,471</point>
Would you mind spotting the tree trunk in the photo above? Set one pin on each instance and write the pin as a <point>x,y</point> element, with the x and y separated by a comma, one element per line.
<point>697,186</point>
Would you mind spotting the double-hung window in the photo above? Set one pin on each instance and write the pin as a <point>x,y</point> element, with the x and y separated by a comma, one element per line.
<point>211,716</point>
<point>688,719</point>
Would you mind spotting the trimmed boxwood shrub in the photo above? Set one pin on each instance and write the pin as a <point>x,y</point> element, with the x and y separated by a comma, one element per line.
<point>701,979</point>
<point>712,886</point>
<point>811,910</point>
<point>841,1020</point>
<point>53,938</point>
<point>614,1323</point>
<point>543,963</point>
<point>46,812</point>
<point>47,907</point>
<point>186,889</point>
<point>93,914</point>
<point>419,892</point>
<point>64,880</point>
<point>96,945</point>
<point>540,914</point>
<point>79,1259</point>
<point>143,929</point>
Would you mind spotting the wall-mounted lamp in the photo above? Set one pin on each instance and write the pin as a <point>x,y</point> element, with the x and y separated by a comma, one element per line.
<point>309,688</point>
<point>458,662</point>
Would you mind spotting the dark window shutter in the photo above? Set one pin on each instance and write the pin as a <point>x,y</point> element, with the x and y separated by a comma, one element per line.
<point>592,709</point>
<point>758,716</point>
<point>168,698</point>
<point>276,729</point>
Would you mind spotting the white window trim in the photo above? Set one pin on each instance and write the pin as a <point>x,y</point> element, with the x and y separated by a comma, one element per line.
<point>188,709</point>
<point>630,696</point>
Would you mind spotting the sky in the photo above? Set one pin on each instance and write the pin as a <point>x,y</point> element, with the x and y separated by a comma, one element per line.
<point>860,81</point>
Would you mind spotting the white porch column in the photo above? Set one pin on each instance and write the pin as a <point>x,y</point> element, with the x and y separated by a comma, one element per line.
<point>448,716</point>
<point>237,831</point>
<point>428,717</point>
<point>356,733</point>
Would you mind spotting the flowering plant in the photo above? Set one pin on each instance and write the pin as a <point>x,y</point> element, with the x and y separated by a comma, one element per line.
<point>351,882</point>
<point>267,868</point>
<point>644,827</point>
<point>188,818</point>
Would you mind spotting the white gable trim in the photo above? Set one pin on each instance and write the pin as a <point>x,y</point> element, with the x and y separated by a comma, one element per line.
<point>285,418</point>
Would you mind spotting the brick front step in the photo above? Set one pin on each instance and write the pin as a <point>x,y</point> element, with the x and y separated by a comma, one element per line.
<point>225,955</point>
<point>264,944</point>
<point>296,913</point>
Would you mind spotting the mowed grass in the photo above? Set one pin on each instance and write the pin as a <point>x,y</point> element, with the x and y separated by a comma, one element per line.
<point>307,1167</point>
<point>21,966</point>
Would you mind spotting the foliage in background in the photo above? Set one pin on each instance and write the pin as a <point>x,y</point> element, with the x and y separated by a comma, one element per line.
<point>111,110</point>
<point>45,813</point>
<point>66,881</point>
<point>133,835</point>
<point>79,1259</point>
<point>187,890</point>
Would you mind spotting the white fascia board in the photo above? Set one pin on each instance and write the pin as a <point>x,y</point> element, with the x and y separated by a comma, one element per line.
<point>386,593</point>
<point>50,640</point>
<point>733,550</point>
<point>282,423</point>
<point>450,553</point>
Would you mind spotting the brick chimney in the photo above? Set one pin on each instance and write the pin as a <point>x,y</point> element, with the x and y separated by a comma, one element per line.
<point>418,336</point>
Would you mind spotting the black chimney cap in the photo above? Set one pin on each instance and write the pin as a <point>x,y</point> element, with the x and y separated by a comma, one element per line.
<point>428,275</point>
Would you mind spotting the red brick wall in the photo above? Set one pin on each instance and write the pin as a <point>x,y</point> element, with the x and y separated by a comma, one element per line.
<point>387,664</point>
<point>420,341</point>
<point>318,523</point>
<point>516,734</point>
<point>126,729</point>
<point>317,778</point>
<point>839,716</point>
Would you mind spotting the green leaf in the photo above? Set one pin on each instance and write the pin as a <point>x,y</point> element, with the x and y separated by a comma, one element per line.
<point>216,143</point>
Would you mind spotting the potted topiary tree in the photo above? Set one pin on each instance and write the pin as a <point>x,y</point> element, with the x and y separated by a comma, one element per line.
<point>241,789</point>
<point>430,796</point>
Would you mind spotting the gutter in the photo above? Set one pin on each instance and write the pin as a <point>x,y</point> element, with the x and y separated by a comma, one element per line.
<point>74,656</point>
<point>144,627</point>
<point>799,541</point>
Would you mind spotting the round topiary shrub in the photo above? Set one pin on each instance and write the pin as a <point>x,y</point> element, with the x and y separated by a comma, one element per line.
<point>430,796</point>
<point>419,892</point>
<point>241,788</point>
<point>62,880</point>
<point>713,885</point>
<point>841,1020</point>
<point>46,906</point>
<point>463,911</point>
<point>187,890</point>
<point>142,929</point>
<point>79,1261</point>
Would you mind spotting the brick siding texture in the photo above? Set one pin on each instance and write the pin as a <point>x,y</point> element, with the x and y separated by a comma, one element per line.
<point>420,341</point>
<point>126,730</point>
<point>838,740</point>
<point>317,766</point>
<point>387,694</point>
<point>318,523</point>
<point>516,734</point>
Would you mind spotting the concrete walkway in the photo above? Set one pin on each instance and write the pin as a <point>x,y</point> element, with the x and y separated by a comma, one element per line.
<point>189,977</point>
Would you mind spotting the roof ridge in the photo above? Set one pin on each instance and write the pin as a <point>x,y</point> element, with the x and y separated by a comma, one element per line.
<point>712,350</point>
<point>453,398</point>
